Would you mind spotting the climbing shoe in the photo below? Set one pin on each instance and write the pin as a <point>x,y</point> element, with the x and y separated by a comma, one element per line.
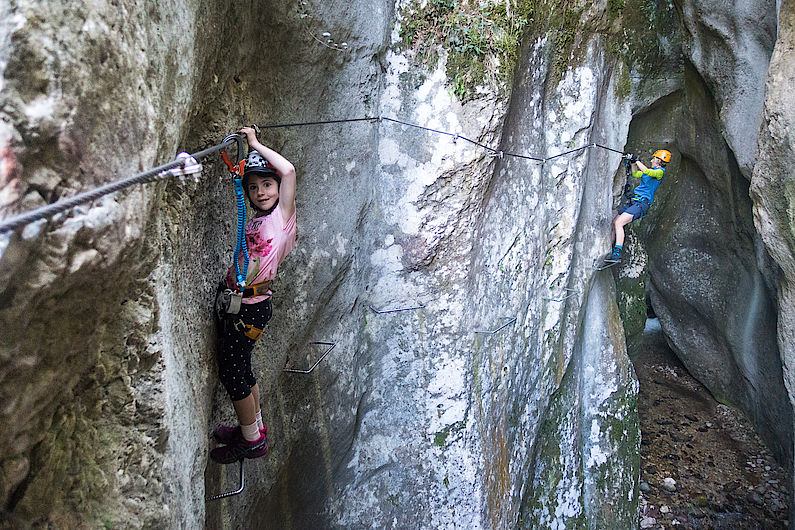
<point>240,449</point>
<point>614,257</point>
<point>226,434</point>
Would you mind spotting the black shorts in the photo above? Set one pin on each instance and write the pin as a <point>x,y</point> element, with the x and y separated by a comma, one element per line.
<point>235,347</point>
<point>637,209</point>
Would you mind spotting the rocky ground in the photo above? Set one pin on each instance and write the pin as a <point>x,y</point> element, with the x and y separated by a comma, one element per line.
<point>702,464</point>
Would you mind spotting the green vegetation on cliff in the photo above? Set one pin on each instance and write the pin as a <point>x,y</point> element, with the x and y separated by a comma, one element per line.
<point>483,39</point>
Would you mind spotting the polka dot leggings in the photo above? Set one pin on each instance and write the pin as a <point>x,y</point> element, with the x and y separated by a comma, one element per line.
<point>234,349</point>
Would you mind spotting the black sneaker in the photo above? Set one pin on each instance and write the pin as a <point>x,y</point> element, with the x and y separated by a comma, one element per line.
<point>240,449</point>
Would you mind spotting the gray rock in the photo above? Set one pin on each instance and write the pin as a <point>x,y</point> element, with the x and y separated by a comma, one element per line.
<point>755,498</point>
<point>730,45</point>
<point>772,203</point>
<point>702,244</point>
<point>106,357</point>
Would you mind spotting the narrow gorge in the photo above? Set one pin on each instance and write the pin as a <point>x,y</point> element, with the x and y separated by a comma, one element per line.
<point>449,248</point>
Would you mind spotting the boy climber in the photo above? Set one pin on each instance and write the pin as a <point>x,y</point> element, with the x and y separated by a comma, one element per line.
<point>269,183</point>
<point>650,179</point>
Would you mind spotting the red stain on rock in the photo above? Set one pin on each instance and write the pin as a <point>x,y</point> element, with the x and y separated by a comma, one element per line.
<point>10,171</point>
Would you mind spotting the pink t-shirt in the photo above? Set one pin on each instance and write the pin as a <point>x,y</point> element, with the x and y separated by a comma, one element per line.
<point>269,239</point>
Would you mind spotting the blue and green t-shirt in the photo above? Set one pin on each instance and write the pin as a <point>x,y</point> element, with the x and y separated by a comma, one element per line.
<point>649,182</point>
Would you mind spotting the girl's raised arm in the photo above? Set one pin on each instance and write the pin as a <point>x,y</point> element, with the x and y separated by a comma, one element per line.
<point>283,166</point>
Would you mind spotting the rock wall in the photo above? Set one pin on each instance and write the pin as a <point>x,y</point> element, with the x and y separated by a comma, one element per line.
<point>699,242</point>
<point>434,421</point>
<point>416,418</point>
<point>92,91</point>
<point>771,185</point>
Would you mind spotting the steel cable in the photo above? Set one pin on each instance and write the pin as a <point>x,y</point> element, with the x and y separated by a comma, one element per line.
<point>155,173</point>
<point>81,198</point>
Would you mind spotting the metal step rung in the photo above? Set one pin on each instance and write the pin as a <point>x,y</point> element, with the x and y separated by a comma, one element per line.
<point>331,347</point>
<point>572,292</point>
<point>510,320</point>
<point>231,493</point>
<point>382,311</point>
<point>605,265</point>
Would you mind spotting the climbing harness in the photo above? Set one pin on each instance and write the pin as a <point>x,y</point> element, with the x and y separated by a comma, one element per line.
<point>248,330</point>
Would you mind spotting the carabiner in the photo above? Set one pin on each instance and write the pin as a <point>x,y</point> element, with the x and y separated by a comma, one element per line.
<point>238,138</point>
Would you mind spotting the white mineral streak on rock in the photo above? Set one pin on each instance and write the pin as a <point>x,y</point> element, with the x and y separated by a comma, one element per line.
<point>426,373</point>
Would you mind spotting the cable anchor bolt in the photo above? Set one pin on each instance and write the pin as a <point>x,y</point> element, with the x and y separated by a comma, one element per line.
<point>190,166</point>
<point>497,154</point>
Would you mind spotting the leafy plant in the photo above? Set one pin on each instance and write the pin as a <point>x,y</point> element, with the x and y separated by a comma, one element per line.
<point>481,39</point>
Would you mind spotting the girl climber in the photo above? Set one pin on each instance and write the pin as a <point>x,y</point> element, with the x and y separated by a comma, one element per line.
<point>650,179</point>
<point>269,183</point>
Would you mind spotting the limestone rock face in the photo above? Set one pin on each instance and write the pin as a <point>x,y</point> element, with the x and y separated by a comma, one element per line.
<point>432,413</point>
<point>499,395</point>
<point>772,185</point>
<point>92,91</point>
<point>699,242</point>
<point>701,245</point>
<point>730,45</point>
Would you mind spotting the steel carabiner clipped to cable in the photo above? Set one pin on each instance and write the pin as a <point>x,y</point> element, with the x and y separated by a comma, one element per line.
<point>239,164</point>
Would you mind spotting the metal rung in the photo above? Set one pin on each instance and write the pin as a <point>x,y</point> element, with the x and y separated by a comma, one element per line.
<point>572,292</point>
<point>230,493</point>
<point>511,320</point>
<point>605,265</point>
<point>331,347</point>
<point>382,311</point>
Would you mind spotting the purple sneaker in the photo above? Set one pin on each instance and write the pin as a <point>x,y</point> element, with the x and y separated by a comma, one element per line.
<point>226,434</point>
<point>240,449</point>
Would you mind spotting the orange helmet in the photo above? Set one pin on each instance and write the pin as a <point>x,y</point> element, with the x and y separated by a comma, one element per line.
<point>663,155</point>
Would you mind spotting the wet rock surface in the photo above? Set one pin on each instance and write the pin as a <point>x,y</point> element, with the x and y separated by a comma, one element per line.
<point>702,464</point>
